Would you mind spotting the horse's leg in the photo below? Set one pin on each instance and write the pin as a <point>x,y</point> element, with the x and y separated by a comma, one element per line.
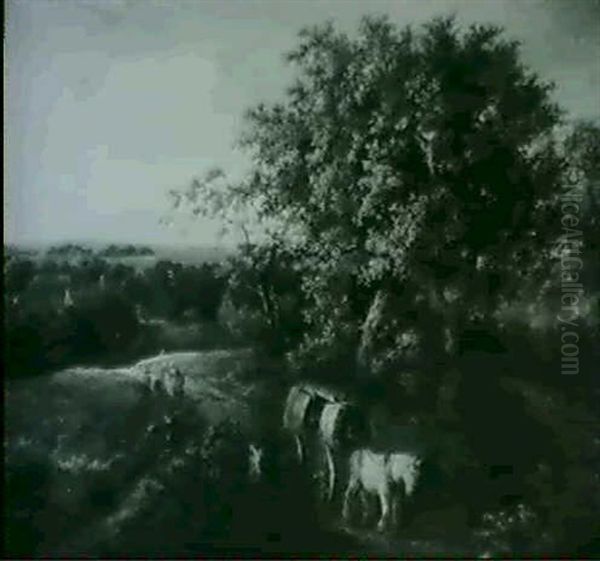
<point>385,509</point>
<point>397,507</point>
<point>350,490</point>
<point>394,513</point>
<point>331,473</point>
<point>364,499</point>
<point>299,450</point>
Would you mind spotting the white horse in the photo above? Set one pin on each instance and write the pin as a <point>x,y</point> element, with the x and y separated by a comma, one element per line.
<point>389,476</point>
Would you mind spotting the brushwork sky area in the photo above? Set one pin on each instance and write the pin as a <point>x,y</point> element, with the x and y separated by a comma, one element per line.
<point>109,104</point>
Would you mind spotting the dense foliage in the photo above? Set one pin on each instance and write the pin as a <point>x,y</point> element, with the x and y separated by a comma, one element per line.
<point>263,301</point>
<point>61,312</point>
<point>416,178</point>
<point>413,182</point>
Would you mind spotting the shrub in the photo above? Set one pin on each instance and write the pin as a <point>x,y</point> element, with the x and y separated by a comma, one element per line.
<point>224,469</point>
<point>105,322</point>
<point>513,531</point>
<point>262,303</point>
<point>23,347</point>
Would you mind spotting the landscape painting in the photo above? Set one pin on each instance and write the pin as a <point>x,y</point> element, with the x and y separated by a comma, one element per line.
<point>302,279</point>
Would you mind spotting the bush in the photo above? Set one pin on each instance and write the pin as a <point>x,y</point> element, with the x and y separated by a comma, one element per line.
<point>100,325</point>
<point>18,274</point>
<point>26,488</point>
<point>23,347</point>
<point>262,303</point>
<point>243,323</point>
<point>104,323</point>
<point>514,531</point>
<point>224,469</point>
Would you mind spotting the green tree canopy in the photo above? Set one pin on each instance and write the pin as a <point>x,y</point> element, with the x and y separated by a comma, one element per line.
<point>416,172</point>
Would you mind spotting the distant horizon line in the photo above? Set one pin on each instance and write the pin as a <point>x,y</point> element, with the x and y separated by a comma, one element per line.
<point>101,243</point>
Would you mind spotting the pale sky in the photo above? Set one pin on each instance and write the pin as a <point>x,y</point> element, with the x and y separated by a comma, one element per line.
<point>110,103</point>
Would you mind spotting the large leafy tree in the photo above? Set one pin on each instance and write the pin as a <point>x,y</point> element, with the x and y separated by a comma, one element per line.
<point>416,173</point>
<point>263,301</point>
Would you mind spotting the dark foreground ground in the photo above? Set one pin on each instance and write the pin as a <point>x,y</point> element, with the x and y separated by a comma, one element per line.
<point>97,465</point>
<point>93,469</point>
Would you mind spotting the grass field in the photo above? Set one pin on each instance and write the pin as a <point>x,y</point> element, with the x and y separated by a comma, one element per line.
<point>93,468</point>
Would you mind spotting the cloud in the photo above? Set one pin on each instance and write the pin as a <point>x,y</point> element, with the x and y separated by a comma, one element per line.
<point>112,102</point>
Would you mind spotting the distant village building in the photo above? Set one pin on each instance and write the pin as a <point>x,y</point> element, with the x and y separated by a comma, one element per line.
<point>68,299</point>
